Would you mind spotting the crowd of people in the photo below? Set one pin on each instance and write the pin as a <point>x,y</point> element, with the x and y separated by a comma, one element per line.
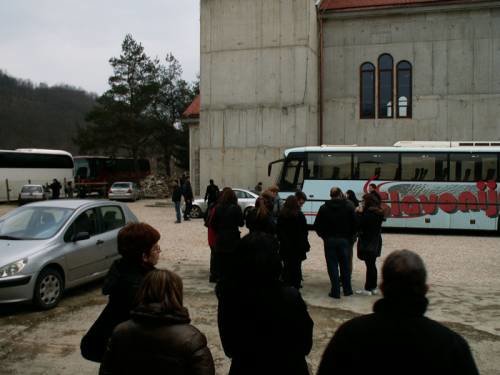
<point>264,324</point>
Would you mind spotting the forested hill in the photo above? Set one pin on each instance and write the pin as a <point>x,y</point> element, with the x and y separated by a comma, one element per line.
<point>39,116</point>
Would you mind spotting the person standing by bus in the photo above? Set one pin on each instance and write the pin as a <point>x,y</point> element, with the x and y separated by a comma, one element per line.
<point>336,224</point>
<point>187,193</point>
<point>371,216</point>
<point>292,234</point>
<point>56,187</point>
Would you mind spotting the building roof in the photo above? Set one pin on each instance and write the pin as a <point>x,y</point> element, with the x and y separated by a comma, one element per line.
<point>361,4</point>
<point>193,111</point>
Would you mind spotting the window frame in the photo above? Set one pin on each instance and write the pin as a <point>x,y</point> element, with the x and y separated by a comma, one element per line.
<point>409,105</point>
<point>379,71</point>
<point>100,218</point>
<point>361,81</point>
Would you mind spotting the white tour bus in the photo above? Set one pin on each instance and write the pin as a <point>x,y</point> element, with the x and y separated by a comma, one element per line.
<point>450,185</point>
<point>32,166</point>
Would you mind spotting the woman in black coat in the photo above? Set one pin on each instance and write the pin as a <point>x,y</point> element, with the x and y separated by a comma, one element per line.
<point>158,338</point>
<point>264,325</point>
<point>371,216</point>
<point>138,246</point>
<point>292,234</point>
<point>226,220</point>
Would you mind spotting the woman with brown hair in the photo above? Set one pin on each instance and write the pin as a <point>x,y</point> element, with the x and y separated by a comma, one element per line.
<point>158,338</point>
<point>292,234</point>
<point>138,246</point>
<point>371,216</point>
<point>226,220</point>
<point>260,218</point>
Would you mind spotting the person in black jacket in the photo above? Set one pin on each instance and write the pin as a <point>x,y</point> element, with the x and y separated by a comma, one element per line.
<point>397,338</point>
<point>187,193</point>
<point>138,246</point>
<point>226,220</point>
<point>292,235</point>
<point>176,198</point>
<point>211,193</point>
<point>371,216</point>
<point>336,224</point>
<point>264,326</point>
<point>158,338</point>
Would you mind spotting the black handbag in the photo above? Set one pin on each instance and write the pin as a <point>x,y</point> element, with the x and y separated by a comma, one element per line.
<point>94,342</point>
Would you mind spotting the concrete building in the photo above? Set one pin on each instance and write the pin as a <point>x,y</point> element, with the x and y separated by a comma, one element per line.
<point>283,73</point>
<point>259,90</point>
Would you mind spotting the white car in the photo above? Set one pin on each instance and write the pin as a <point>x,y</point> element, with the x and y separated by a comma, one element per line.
<point>33,193</point>
<point>246,200</point>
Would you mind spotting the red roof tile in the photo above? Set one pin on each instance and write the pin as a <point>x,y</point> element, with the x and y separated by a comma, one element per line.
<point>194,109</point>
<point>356,4</point>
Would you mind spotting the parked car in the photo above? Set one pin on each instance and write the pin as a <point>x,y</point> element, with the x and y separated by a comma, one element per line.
<point>33,193</point>
<point>246,200</point>
<point>125,191</point>
<point>47,247</point>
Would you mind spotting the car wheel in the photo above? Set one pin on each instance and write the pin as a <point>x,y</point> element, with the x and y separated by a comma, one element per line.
<point>48,289</point>
<point>195,212</point>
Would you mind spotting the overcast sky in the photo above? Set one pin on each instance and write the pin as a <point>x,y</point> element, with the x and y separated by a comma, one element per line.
<point>71,41</point>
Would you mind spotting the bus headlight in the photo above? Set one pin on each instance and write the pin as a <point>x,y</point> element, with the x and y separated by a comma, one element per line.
<point>13,268</point>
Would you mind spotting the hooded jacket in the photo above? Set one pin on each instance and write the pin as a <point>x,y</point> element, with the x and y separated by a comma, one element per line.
<point>155,341</point>
<point>336,218</point>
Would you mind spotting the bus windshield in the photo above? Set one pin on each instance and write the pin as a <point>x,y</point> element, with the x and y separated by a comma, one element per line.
<point>292,175</point>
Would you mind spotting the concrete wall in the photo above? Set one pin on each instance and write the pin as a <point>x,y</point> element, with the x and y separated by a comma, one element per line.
<point>259,87</point>
<point>194,155</point>
<point>455,53</point>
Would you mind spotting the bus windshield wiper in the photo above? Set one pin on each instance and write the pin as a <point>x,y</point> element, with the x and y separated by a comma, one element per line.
<point>9,238</point>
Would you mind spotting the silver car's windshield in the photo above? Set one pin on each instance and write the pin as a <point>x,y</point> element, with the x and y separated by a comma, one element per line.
<point>33,223</point>
<point>122,185</point>
<point>32,189</point>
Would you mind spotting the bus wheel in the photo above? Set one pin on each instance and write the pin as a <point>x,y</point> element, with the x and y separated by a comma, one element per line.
<point>195,212</point>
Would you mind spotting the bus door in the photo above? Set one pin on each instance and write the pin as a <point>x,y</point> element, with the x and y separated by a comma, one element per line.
<point>291,178</point>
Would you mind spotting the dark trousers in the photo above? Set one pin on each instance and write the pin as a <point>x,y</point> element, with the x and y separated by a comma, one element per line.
<point>292,272</point>
<point>213,265</point>
<point>337,256</point>
<point>187,210</point>
<point>371,273</point>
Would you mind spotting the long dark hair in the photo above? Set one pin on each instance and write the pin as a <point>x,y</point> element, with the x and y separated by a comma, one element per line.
<point>290,207</point>
<point>264,205</point>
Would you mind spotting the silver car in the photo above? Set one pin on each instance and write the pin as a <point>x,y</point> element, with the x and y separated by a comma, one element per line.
<point>47,247</point>
<point>246,200</point>
<point>33,193</point>
<point>125,191</point>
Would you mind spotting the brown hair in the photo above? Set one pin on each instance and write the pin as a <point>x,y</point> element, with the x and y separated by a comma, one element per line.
<point>163,287</point>
<point>227,197</point>
<point>404,274</point>
<point>264,205</point>
<point>370,200</point>
<point>273,188</point>
<point>291,207</point>
<point>136,240</point>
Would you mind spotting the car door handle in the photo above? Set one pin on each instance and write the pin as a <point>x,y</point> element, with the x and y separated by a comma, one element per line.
<point>99,242</point>
<point>311,195</point>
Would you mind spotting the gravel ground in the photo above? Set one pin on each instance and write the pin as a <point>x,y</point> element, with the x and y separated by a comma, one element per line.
<point>464,295</point>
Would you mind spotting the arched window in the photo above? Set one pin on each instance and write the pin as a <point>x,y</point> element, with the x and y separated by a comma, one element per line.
<point>385,88</point>
<point>367,90</point>
<point>403,89</point>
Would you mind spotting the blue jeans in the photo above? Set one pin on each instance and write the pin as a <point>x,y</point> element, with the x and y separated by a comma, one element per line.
<point>178,210</point>
<point>337,255</point>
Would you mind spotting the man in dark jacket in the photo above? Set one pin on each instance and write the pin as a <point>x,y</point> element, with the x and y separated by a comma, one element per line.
<point>336,225</point>
<point>211,193</point>
<point>176,198</point>
<point>397,338</point>
<point>187,193</point>
<point>56,187</point>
